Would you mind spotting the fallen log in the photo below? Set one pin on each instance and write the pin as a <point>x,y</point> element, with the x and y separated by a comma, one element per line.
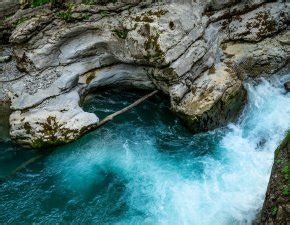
<point>111,117</point>
<point>101,123</point>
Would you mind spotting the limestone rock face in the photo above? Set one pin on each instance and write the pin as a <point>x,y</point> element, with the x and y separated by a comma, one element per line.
<point>259,23</point>
<point>53,122</point>
<point>196,52</point>
<point>262,58</point>
<point>212,100</point>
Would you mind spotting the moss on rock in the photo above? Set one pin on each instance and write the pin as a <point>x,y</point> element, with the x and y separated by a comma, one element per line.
<point>276,208</point>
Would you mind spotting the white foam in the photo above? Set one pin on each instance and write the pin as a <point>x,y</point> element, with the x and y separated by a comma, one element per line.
<point>231,188</point>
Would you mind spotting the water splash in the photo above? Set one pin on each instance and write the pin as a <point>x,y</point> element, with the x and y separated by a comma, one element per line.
<point>144,168</point>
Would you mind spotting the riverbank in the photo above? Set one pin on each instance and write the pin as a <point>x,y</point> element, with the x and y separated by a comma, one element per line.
<point>276,209</point>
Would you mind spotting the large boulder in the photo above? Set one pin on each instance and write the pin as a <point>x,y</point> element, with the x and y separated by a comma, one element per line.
<point>56,121</point>
<point>212,100</point>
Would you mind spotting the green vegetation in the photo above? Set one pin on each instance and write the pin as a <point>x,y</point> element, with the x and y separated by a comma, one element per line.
<point>282,145</point>
<point>279,161</point>
<point>286,170</point>
<point>36,3</point>
<point>21,20</point>
<point>54,3</point>
<point>121,33</point>
<point>7,18</point>
<point>104,13</point>
<point>86,16</point>
<point>66,14</point>
<point>286,190</point>
<point>15,23</point>
<point>274,210</point>
<point>92,2</point>
<point>88,2</point>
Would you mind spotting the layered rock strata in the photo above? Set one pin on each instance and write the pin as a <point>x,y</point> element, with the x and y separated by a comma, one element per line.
<point>196,52</point>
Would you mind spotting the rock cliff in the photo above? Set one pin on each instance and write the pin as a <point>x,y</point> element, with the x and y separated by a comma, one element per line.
<point>197,52</point>
<point>276,209</point>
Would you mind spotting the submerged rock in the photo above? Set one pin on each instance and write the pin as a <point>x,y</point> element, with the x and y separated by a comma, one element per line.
<point>196,52</point>
<point>287,86</point>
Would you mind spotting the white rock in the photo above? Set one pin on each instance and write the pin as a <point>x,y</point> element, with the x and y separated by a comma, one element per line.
<point>57,120</point>
<point>181,48</point>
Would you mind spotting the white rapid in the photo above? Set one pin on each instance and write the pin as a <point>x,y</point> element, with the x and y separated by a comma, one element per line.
<point>144,168</point>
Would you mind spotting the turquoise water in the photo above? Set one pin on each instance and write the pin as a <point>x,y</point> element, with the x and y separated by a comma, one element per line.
<point>144,167</point>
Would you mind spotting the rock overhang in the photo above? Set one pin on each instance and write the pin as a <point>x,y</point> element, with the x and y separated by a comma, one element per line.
<point>191,55</point>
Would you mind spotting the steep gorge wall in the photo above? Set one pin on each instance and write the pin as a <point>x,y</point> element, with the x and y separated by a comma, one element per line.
<point>197,52</point>
<point>276,209</point>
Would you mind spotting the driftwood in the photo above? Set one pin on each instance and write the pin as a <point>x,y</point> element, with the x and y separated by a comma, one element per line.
<point>111,117</point>
<point>101,123</point>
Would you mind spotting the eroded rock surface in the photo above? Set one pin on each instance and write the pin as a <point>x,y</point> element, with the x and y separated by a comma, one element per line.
<point>55,121</point>
<point>196,52</point>
<point>256,59</point>
<point>218,93</point>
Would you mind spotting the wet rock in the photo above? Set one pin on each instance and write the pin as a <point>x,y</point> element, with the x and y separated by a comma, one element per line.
<point>276,208</point>
<point>4,121</point>
<point>4,59</point>
<point>287,86</point>
<point>287,208</point>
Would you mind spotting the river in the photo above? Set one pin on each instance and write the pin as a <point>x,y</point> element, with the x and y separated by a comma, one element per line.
<point>144,167</point>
